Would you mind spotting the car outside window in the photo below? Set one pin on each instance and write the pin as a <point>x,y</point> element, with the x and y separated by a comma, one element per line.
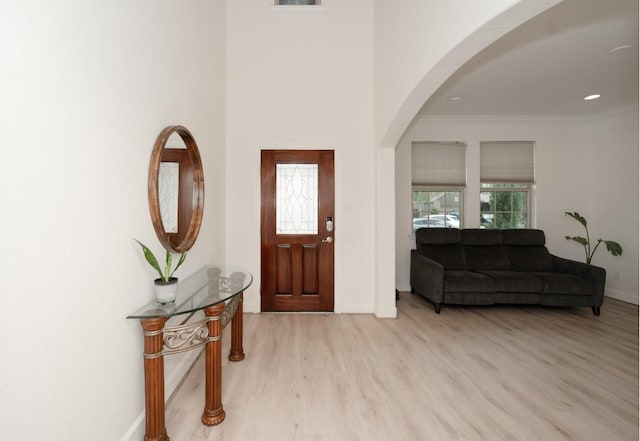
<point>436,207</point>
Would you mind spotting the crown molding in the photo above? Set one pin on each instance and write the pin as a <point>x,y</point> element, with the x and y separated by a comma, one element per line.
<point>426,118</point>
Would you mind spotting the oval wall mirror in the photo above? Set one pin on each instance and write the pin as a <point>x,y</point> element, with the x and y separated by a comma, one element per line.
<point>176,189</point>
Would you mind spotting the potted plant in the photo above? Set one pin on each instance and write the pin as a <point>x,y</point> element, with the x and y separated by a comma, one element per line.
<point>613,247</point>
<point>166,284</point>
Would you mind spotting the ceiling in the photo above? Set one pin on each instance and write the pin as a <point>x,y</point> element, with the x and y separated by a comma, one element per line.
<point>549,64</point>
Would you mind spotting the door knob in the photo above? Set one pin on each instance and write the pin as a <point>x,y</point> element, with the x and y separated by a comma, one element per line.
<point>328,239</point>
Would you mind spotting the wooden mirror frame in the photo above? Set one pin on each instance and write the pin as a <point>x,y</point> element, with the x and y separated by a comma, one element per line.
<point>191,189</point>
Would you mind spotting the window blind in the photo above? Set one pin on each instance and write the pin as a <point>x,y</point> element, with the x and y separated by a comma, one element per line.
<point>438,163</point>
<point>504,161</point>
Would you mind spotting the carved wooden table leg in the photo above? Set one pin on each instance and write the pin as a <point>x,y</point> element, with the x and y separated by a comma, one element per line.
<point>154,379</point>
<point>237,352</point>
<point>213,413</point>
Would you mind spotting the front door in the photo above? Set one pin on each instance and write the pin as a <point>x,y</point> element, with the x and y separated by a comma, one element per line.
<point>297,230</point>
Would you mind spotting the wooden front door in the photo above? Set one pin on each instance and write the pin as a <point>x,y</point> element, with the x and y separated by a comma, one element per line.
<point>297,232</point>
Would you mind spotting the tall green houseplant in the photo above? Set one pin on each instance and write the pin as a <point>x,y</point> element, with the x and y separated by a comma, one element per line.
<point>613,247</point>
<point>168,272</point>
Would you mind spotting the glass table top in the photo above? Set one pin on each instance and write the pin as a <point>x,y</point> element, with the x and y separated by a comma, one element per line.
<point>207,287</point>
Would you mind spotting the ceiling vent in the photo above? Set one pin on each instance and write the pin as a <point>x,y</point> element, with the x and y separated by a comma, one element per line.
<point>297,2</point>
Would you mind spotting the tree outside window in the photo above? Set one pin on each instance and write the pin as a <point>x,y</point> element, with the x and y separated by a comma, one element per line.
<point>504,206</point>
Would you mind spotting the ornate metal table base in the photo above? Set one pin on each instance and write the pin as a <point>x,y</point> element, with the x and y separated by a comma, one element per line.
<point>160,341</point>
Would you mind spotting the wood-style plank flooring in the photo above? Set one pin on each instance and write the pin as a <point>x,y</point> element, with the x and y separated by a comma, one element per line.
<point>470,373</point>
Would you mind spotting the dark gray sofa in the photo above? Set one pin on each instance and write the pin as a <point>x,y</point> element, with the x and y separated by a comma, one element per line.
<point>484,267</point>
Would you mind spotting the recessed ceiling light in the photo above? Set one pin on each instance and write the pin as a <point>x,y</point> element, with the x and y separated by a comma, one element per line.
<point>595,96</point>
<point>455,98</point>
<point>619,48</point>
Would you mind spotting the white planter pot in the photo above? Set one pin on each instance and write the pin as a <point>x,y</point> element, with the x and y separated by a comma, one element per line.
<point>166,291</point>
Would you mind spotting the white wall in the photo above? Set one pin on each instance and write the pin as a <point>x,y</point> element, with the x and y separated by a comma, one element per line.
<point>303,79</point>
<point>613,205</point>
<point>85,88</point>
<point>420,43</point>
<point>584,165</point>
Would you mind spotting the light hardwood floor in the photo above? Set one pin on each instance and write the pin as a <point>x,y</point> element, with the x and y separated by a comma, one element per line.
<point>470,373</point>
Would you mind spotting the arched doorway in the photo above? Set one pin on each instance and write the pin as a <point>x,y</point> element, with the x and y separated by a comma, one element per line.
<point>479,39</point>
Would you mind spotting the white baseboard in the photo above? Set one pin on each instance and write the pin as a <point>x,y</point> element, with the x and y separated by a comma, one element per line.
<point>136,431</point>
<point>251,306</point>
<point>620,295</point>
<point>391,312</point>
<point>353,308</point>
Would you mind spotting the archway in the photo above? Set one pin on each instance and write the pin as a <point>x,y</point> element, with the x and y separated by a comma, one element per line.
<point>475,42</point>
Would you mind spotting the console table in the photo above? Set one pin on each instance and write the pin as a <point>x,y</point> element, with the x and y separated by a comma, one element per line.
<point>217,291</point>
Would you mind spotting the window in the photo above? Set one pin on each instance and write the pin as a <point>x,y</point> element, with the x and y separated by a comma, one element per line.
<point>436,208</point>
<point>506,184</point>
<point>505,206</point>
<point>438,176</point>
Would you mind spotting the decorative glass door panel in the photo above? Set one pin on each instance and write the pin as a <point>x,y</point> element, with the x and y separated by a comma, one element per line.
<point>297,198</point>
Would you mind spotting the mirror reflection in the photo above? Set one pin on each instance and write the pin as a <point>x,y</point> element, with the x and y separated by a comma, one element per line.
<point>168,195</point>
<point>176,189</point>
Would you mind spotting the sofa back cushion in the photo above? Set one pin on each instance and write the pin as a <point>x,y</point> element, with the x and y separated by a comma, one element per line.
<point>443,246</point>
<point>523,237</point>
<point>437,236</point>
<point>526,250</point>
<point>484,250</point>
<point>450,256</point>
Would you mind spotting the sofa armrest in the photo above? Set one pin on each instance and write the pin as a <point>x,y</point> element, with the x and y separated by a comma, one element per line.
<point>593,273</point>
<point>427,277</point>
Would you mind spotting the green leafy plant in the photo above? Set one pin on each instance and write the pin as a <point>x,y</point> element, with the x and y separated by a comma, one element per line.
<point>613,247</point>
<point>151,258</point>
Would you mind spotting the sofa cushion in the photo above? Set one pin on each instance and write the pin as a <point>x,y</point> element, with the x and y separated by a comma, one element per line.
<point>523,237</point>
<point>450,256</point>
<point>526,250</point>
<point>490,257</point>
<point>483,249</point>
<point>437,236</point>
<point>567,300</point>
<point>480,236</point>
<point>529,258</point>
<point>514,281</point>
<point>518,298</point>
<point>467,298</point>
<point>566,284</point>
<point>467,281</point>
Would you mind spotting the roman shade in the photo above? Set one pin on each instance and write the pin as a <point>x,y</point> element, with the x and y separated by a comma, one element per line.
<point>509,162</point>
<point>438,164</point>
